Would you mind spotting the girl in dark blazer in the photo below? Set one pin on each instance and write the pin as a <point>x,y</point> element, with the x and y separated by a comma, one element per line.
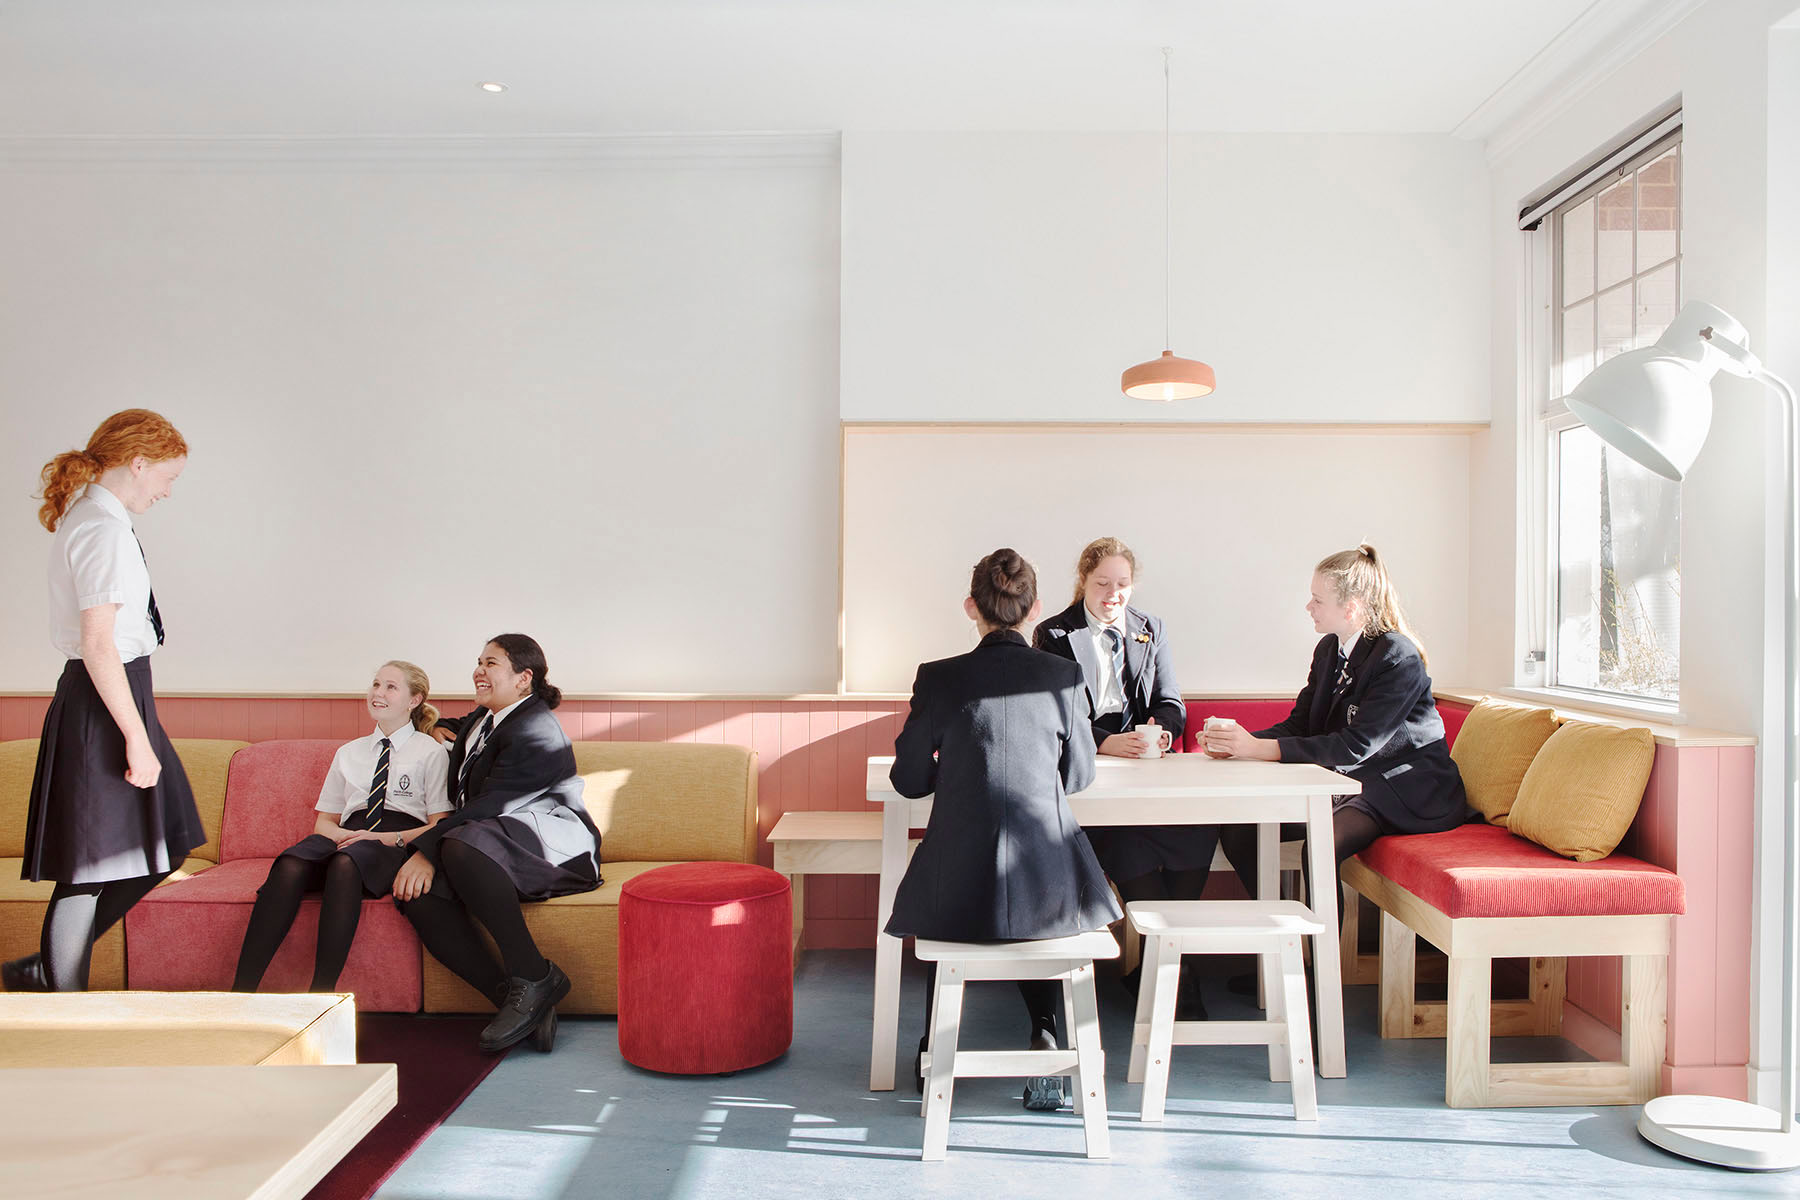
<point>1000,735</point>
<point>1367,713</point>
<point>1102,632</point>
<point>518,832</point>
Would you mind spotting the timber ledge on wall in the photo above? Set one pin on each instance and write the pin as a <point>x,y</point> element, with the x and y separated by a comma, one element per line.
<point>473,152</point>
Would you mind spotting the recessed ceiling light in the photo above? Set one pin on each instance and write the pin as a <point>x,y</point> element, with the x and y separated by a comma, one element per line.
<point>491,86</point>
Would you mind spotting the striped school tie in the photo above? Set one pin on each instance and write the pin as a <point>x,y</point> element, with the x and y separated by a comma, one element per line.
<point>155,615</point>
<point>476,745</point>
<point>377,787</point>
<point>1342,684</point>
<point>1117,643</point>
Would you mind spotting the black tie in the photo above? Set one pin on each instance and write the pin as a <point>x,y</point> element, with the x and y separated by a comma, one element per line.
<point>476,745</point>
<point>378,786</point>
<point>155,616</point>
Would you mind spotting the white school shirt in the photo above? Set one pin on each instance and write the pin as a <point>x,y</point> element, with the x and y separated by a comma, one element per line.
<point>1109,689</point>
<point>418,775</point>
<point>95,560</point>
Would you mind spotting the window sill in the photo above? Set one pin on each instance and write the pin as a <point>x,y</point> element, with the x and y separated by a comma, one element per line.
<point>1659,720</point>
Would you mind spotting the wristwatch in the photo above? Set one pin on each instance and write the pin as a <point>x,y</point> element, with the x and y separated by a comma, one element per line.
<point>399,841</point>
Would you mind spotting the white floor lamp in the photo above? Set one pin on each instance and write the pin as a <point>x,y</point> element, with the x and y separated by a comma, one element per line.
<point>1655,405</point>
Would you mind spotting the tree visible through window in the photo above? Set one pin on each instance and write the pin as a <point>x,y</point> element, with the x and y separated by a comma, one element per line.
<point>1615,527</point>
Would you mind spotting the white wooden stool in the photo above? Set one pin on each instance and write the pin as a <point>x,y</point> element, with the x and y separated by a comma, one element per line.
<point>1070,959</point>
<point>1271,929</point>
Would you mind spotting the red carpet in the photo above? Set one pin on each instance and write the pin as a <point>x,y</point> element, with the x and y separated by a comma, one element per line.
<point>439,1067</point>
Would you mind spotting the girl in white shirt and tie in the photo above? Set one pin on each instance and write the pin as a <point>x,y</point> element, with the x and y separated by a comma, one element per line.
<point>111,813</point>
<point>380,790</point>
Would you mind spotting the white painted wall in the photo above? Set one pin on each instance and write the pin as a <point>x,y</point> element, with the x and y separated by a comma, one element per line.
<point>1012,277</point>
<point>1718,61</point>
<point>1226,526</point>
<point>590,401</point>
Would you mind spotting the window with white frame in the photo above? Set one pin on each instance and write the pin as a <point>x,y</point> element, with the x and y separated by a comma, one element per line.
<point>1613,529</point>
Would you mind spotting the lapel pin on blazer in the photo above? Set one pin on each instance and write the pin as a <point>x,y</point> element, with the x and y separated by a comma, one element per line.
<point>1142,637</point>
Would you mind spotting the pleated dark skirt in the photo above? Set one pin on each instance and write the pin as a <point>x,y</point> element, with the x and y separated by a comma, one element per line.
<point>85,824</point>
<point>545,854</point>
<point>375,862</point>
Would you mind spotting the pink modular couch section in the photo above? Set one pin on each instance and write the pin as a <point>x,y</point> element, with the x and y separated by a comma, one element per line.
<point>1260,714</point>
<point>185,936</point>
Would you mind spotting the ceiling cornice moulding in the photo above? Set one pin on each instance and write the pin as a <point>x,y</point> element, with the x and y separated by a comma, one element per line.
<point>553,152</point>
<point>1602,39</point>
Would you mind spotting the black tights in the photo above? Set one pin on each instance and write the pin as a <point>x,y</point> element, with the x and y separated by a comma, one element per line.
<point>79,914</point>
<point>484,893</point>
<point>1352,830</point>
<point>1164,885</point>
<point>340,908</point>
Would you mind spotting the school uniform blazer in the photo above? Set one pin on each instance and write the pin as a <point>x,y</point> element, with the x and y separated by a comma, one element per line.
<point>1384,731</point>
<point>526,772</point>
<point>1000,736</point>
<point>1149,666</point>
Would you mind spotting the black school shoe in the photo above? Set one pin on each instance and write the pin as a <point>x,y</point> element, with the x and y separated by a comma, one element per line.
<point>528,1003</point>
<point>24,974</point>
<point>1045,1093</point>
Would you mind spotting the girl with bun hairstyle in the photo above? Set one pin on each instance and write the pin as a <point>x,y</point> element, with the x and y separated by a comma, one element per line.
<point>518,832</point>
<point>110,812</point>
<point>1366,711</point>
<point>380,790</point>
<point>1000,735</point>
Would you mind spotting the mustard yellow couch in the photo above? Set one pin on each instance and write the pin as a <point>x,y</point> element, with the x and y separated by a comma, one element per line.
<point>22,903</point>
<point>655,804</point>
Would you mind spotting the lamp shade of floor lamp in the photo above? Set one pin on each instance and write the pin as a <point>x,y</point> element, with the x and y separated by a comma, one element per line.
<point>1654,405</point>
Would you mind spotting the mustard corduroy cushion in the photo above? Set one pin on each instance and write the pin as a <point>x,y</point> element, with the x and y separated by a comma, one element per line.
<point>1583,789</point>
<point>670,802</point>
<point>206,761</point>
<point>1495,749</point>
<point>18,760</point>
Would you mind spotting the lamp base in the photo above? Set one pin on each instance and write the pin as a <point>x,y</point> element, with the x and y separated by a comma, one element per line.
<point>1726,1133</point>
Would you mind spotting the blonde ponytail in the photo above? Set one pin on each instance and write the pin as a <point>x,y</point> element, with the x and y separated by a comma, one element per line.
<point>1360,574</point>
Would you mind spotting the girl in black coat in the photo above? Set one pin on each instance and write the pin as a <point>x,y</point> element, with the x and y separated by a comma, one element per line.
<point>1366,711</point>
<point>1000,736</point>
<point>518,832</point>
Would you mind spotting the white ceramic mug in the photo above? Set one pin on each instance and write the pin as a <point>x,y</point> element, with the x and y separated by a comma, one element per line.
<point>1214,723</point>
<point>1154,733</point>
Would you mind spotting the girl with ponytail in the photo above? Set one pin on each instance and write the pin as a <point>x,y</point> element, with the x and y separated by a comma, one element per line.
<point>110,812</point>
<point>380,790</point>
<point>1001,735</point>
<point>1366,711</point>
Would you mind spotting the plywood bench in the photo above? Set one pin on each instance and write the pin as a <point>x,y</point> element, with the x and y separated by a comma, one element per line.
<point>1479,893</point>
<point>824,843</point>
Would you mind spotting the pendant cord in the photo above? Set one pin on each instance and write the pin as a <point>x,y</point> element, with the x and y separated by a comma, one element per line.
<point>1168,52</point>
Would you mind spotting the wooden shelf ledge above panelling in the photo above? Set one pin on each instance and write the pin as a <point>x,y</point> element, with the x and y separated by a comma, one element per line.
<point>1297,428</point>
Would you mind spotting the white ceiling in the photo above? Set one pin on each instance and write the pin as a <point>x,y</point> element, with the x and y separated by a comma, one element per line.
<point>411,67</point>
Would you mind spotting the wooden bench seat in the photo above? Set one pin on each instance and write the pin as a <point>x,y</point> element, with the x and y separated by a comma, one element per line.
<point>1479,893</point>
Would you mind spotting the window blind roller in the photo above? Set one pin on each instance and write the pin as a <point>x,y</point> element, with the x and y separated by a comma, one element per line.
<point>1612,162</point>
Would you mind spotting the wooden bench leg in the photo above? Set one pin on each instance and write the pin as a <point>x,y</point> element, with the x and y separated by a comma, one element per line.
<point>1399,949</point>
<point>1467,1017</point>
<point>1643,1023</point>
<point>940,1080</point>
<point>1165,955</point>
<point>1299,1033</point>
<point>1090,1060</point>
<point>1348,934</point>
<point>797,885</point>
<point>1549,982</point>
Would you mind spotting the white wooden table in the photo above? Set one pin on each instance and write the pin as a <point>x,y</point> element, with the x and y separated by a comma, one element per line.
<point>184,1133</point>
<point>1179,789</point>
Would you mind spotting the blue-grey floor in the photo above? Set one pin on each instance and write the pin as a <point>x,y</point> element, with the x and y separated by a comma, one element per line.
<point>581,1122</point>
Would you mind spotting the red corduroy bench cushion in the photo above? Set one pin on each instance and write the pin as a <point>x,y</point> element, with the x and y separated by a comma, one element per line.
<point>1482,870</point>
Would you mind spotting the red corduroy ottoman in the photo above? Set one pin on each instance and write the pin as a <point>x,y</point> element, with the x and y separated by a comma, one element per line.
<point>706,968</point>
